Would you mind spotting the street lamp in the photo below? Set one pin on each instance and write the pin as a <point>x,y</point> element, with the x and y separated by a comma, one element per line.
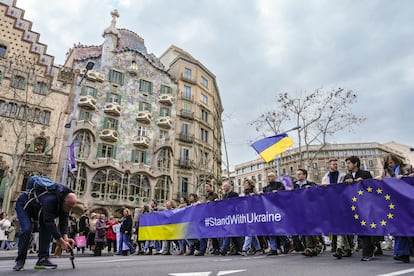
<point>70,125</point>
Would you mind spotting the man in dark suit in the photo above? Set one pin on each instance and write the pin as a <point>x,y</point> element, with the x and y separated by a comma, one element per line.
<point>228,193</point>
<point>355,175</point>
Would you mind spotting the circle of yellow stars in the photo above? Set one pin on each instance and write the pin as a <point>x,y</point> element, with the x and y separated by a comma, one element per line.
<point>365,222</point>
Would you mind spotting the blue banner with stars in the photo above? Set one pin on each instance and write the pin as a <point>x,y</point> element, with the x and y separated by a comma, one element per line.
<point>370,207</point>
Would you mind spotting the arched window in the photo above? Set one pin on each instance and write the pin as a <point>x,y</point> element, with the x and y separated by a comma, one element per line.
<point>79,183</point>
<point>83,144</point>
<point>164,160</point>
<point>139,189</point>
<point>98,185</point>
<point>124,188</point>
<point>162,189</point>
<point>114,185</point>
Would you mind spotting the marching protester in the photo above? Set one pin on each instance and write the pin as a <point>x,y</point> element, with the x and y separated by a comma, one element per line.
<point>126,232</point>
<point>272,187</point>
<point>394,167</point>
<point>44,210</point>
<point>355,174</point>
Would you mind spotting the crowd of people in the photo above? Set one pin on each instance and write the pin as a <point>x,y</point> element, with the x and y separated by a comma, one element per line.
<point>96,233</point>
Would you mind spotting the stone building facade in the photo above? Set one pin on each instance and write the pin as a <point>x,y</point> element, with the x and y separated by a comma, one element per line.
<point>33,105</point>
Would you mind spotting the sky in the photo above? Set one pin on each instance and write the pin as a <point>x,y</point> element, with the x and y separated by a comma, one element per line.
<point>260,48</point>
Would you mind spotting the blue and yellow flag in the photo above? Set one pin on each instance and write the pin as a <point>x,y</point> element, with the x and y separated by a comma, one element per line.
<point>271,146</point>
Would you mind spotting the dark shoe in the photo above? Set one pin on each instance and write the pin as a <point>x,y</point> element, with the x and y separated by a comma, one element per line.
<point>258,252</point>
<point>378,251</point>
<point>44,263</point>
<point>222,253</point>
<point>199,253</point>
<point>348,253</point>
<point>402,258</point>
<point>338,254</point>
<point>272,253</point>
<point>18,266</point>
<point>216,252</point>
<point>366,258</point>
<point>244,253</point>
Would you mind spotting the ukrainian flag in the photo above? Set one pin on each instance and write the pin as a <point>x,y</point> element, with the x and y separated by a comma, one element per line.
<point>271,146</point>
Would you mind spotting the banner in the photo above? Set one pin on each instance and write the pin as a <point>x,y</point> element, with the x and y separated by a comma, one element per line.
<point>370,207</point>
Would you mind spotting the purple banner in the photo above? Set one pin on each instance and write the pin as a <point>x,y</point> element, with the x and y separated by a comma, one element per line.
<point>370,207</point>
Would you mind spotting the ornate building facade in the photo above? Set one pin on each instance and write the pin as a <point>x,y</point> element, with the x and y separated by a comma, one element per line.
<point>33,105</point>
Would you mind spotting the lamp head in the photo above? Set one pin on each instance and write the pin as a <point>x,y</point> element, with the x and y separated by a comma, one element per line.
<point>90,65</point>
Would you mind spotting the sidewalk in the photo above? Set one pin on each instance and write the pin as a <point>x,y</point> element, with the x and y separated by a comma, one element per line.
<point>11,254</point>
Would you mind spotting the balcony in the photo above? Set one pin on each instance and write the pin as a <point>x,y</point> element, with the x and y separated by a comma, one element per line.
<point>166,99</point>
<point>109,135</point>
<point>112,109</point>
<point>144,117</point>
<point>141,142</point>
<point>86,124</point>
<point>185,137</point>
<point>164,122</point>
<point>187,114</point>
<point>188,78</point>
<point>87,102</point>
<point>185,163</point>
<point>93,75</point>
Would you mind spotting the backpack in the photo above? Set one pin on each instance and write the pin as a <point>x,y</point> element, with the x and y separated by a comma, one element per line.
<point>37,187</point>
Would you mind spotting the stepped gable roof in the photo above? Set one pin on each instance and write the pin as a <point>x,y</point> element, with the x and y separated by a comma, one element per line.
<point>28,34</point>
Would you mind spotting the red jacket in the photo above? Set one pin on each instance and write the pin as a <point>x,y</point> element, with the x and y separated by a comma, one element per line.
<point>110,234</point>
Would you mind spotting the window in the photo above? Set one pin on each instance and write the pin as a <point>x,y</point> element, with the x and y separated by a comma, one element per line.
<point>116,77</point>
<point>1,76</point>
<point>43,117</point>
<point>139,156</point>
<point>164,160</point>
<point>184,186</point>
<point>3,50</point>
<point>164,111</point>
<point>39,145</point>
<point>113,98</point>
<point>142,131</point>
<point>185,129</point>
<point>41,88</point>
<point>143,106</point>
<point>204,115</point>
<point>165,89</point>
<point>203,158</point>
<point>204,135</point>
<point>106,150</point>
<point>19,82</point>
<point>111,123</point>
<point>185,153</point>
<point>145,86</point>
<point>188,74</point>
<point>204,82</point>
<point>85,115</point>
<point>83,143</point>
<point>162,189</point>
<point>204,99</point>
<point>187,93</point>
<point>89,91</point>
<point>163,134</point>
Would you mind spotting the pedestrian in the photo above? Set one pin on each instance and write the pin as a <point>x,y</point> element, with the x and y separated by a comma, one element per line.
<point>125,232</point>
<point>4,227</point>
<point>110,234</point>
<point>44,210</point>
<point>100,235</point>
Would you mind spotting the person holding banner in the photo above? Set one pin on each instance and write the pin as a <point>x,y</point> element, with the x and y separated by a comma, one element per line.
<point>353,164</point>
<point>394,167</point>
<point>225,246</point>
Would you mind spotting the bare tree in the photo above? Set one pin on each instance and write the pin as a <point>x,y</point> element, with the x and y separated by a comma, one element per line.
<point>320,114</point>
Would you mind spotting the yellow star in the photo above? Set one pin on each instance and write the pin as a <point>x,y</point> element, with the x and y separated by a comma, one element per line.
<point>383,222</point>
<point>369,189</point>
<point>392,206</point>
<point>354,199</point>
<point>387,197</point>
<point>379,191</point>
<point>363,223</point>
<point>356,216</point>
<point>390,216</point>
<point>373,225</point>
<point>360,192</point>
<point>353,207</point>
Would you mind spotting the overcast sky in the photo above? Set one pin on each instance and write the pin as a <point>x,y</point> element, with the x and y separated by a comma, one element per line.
<point>258,49</point>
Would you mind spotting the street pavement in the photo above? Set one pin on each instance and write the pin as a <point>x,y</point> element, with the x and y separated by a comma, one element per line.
<point>290,264</point>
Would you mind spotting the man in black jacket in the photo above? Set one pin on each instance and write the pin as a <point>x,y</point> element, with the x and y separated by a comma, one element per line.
<point>51,205</point>
<point>355,175</point>
<point>228,193</point>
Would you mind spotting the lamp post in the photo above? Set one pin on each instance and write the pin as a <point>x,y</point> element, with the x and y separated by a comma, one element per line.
<point>70,125</point>
<point>278,156</point>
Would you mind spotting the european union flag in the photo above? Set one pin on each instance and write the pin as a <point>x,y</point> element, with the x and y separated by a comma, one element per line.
<point>271,146</point>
